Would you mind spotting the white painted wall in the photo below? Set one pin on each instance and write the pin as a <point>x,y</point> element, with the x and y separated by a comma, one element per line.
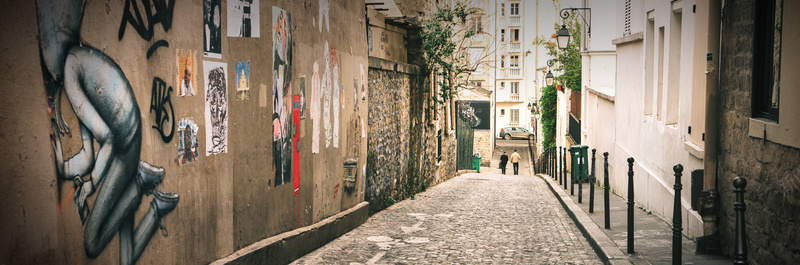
<point>654,143</point>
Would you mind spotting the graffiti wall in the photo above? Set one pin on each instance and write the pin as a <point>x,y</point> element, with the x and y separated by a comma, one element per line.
<point>144,131</point>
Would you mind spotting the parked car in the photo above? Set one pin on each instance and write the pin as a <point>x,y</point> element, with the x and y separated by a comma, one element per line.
<point>514,132</point>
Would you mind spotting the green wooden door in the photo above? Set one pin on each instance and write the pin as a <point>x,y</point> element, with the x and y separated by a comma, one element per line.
<point>465,136</point>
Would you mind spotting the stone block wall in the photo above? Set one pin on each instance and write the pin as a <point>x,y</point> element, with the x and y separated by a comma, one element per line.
<point>388,145</point>
<point>772,170</point>
<point>483,145</point>
<point>402,157</point>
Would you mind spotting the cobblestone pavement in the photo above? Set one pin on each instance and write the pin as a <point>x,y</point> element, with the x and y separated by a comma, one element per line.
<point>477,218</point>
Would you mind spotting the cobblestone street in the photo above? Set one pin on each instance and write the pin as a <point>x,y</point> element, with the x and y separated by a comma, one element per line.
<point>477,218</point>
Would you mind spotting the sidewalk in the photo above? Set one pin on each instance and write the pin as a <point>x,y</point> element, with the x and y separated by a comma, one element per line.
<point>652,236</point>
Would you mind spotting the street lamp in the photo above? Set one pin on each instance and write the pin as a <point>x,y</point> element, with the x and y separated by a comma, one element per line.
<point>563,34</point>
<point>563,37</point>
<point>549,77</point>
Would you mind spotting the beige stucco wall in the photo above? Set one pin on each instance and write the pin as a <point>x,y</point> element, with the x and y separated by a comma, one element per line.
<point>227,201</point>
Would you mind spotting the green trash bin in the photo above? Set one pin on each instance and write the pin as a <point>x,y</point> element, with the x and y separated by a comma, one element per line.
<point>580,152</point>
<point>476,162</point>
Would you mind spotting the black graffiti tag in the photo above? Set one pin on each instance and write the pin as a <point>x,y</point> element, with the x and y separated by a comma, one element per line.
<point>163,15</point>
<point>159,99</point>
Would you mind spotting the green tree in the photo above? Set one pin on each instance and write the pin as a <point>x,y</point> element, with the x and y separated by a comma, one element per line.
<point>445,39</point>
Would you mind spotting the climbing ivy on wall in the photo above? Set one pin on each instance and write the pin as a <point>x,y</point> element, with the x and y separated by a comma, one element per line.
<point>548,109</point>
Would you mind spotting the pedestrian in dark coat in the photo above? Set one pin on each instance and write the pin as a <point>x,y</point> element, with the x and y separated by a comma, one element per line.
<point>503,162</point>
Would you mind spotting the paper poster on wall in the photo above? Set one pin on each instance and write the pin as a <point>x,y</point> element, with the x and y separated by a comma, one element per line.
<point>187,141</point>
<point>336,101</point>
<point>242,80</point>
<point>281,91</point>
<point>363,83</point>
<point>326,97</point>
<point>216,103</point>
<point>212,29</point>
<point>316,94</point>
<point>243,18</point>
<point>187,72</point>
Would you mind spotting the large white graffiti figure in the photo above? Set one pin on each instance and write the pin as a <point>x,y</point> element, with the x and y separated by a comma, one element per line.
<point>107,112</point>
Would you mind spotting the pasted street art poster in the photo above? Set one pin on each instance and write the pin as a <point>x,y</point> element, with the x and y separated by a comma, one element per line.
<point>281,92</point>
<point>243,18</point>
<point>212,29</point>
<point>107,112</point>
<point>316,94</point>
<point>187,145</point>
<point>216,107</point>
<point>242,80</point>
<point>187,67</point>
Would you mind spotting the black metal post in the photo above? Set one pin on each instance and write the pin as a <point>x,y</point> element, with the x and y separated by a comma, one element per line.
<point>740,254</point>
<point>591,185</point>
<point>605,187</point>
<point>580,179</point>
<point>564,168</point>
<point>550,161</point>
<point>553,154</point>
<point>547,160</point>
<point>560,165</point>
<point>677,227</point>
<point>555,162</point>
<point>572,178</point>
<point>630,205</point>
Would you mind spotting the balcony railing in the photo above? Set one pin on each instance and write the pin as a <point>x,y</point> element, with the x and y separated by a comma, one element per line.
<point>514,97</point>
<point>514,46</point>
<point>515,20</point>
<point>514,72</point>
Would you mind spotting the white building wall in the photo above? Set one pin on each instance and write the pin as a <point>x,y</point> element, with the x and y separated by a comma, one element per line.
<point>656,142</point>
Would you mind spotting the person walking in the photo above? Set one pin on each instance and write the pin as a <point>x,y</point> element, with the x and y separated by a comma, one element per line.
<point>515,161</point>
<point>503,162</point>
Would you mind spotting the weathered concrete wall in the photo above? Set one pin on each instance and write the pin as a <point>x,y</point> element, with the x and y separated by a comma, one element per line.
<point>115,73</point>
<point>770,167</point>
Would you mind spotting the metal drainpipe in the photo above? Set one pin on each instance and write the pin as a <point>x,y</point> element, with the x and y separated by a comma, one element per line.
<point>711,142</point>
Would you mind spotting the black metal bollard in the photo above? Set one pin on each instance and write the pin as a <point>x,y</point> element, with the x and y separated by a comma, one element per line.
<point>564,168</point>
<point>580,179</point>
<point>605,187</point>
<point>676,217</point>
<point>572,179</point>
<point>630,205</point>
<point>553,155</point>
<point>591,185</point>
<point>740,253</point>
<point>552,168</point>
<point>560,165</point>
<point>549,161</point>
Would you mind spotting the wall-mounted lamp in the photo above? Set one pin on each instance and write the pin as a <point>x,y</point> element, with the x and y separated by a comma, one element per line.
<point>549,77</point>
<point>562,36</point>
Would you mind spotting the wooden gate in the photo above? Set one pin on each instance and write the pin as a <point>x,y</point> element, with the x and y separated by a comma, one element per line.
<point>465,136</point>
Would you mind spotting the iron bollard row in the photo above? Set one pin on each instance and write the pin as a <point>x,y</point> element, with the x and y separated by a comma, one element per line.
<point>740,253</point>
